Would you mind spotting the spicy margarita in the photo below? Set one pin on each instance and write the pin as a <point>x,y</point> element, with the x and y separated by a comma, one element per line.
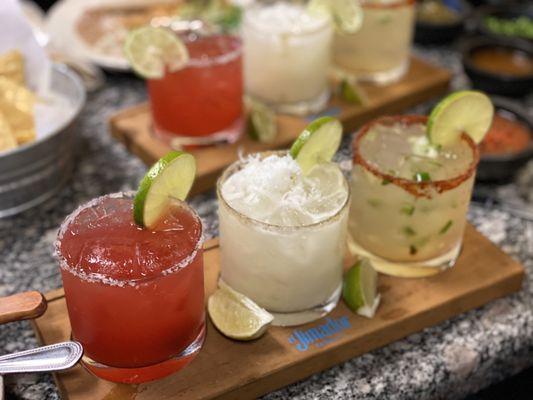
<point>202,102</point>
<point>134,295</point>
<point>409,213</point>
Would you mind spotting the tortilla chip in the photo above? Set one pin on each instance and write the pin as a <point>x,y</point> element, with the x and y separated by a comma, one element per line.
<point>7,140</point>
<point>12,66</point>
<point>17,105</point>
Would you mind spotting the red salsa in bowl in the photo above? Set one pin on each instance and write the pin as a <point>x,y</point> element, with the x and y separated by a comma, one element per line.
<point>507,135</point>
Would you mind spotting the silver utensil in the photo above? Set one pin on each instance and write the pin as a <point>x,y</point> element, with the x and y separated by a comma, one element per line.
<point>55,357</point>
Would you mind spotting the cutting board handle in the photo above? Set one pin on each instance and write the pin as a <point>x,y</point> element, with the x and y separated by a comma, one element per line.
<point>21,306</point>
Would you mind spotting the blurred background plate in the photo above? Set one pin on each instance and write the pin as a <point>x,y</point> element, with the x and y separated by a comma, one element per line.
<point>34,172</point>
<point>95,30</point>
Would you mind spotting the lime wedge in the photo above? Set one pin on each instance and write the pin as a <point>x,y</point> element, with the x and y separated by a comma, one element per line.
<point>150,50</point>
<point>235,315</point>
<point>169,178</point>
<point>352,93</point>
<point>346,15</point>
<point>318,143</point>
<point>262,124</point>
<point>465,111</point>
<point>360,289</point>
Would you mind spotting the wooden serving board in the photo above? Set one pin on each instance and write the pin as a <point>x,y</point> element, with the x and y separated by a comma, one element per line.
<point>227,369</point>
<point>424,81</point>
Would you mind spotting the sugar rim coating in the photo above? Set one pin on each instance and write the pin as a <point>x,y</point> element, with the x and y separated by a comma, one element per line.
<point>239,164</point>
<point>417,189</point>
<point>95,277</point>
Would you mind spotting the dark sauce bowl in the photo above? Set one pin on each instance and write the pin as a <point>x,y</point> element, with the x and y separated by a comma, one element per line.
<point>493,82</point>
<point>501,168</point>
<point>439,33</point>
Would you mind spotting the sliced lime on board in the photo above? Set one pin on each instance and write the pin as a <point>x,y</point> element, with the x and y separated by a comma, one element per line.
<point>318,143</point>
<point>262,123</point>
<point>352,93</point>
<point>466,111</point>
<point>360,289</point>
<point>235,315</point>
<point>169,178</point>
<point>346,15</point>
<point>150,50</point>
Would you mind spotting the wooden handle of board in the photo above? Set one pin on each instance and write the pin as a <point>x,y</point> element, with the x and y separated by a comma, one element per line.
<point>21,306</point>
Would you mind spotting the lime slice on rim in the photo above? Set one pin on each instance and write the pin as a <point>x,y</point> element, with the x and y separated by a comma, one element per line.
<point>346,15</point>
<point>169,178</point>
<point>235,315</point>
<point>318,143</point>
<point>360,289</point>
<point>262,124</point>
<point>150,50</point>
<point>465,111</point>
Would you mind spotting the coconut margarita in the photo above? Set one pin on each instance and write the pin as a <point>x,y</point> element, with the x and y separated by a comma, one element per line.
<point>283,222</point>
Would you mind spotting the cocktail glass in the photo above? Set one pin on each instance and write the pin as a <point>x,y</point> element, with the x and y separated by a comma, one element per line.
<point>379,51</point>
<point>135,297</point>
<point>201,103</point>
<point>294,272</point>
<point>409,209</point>
<point>287,57</point>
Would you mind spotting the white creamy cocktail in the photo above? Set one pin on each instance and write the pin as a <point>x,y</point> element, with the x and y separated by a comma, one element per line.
<point>283,233</point>
<point>287,56</point>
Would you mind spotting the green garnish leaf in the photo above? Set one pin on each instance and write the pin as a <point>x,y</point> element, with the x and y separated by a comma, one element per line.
<point>446,227</point>
<point>408,231</point>
<point>385,182</point>
<point>374,202</point>
<point>422,177</point>
<point>408,209</point>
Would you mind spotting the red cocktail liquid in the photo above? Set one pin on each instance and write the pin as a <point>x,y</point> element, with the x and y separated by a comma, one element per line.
<point>204,99</point>
<point>135,296</point>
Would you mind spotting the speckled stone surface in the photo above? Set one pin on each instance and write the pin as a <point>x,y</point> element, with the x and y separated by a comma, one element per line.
<point>447,361</point>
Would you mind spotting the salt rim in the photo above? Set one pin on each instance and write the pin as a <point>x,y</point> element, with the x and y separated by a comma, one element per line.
<point>417,189</point>
<point>207,61</point>
<point>95,277</point>
<point>237,165</point>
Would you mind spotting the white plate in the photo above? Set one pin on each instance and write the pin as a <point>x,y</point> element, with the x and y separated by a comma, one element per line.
<point>61,27</point>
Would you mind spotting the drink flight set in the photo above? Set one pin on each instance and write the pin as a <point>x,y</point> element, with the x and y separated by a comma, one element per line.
<point>285,220</point>
<point>132,263</point>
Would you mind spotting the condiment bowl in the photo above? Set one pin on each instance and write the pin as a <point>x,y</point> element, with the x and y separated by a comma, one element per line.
<point>502,167</point>
<point>427,32</point>
<point>501,11</point>
<point>491,80</point>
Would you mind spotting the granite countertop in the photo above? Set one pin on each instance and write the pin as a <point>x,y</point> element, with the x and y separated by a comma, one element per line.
<point>455,358</point>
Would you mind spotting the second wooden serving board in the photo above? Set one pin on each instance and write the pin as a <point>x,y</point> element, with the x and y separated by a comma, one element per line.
<point>133,126</point>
